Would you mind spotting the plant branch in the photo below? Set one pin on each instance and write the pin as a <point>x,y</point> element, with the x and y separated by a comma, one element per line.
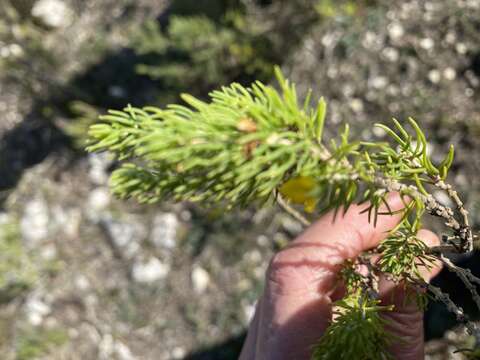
<point>465,277</point>
<point>290,210</point>
<point>451,306</point>
<point>465,231</point>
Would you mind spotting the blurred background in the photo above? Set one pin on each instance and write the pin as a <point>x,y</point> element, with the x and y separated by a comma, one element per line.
<point>86,276</point>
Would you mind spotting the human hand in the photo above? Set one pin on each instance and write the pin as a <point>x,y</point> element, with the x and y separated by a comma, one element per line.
<point>301,285</point>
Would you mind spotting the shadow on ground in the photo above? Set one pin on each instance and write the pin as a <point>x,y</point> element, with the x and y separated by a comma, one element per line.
<point>227,350</point>
<point>437,317</point>
<point>111,83</point>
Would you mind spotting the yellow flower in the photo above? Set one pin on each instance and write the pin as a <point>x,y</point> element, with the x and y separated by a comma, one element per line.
<point>298,190</point>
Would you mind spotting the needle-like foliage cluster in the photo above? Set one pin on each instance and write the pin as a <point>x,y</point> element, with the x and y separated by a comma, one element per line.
<point>357,333</point>
<point>237,148</point>
<point>224,50</point>
<point>258,144</point>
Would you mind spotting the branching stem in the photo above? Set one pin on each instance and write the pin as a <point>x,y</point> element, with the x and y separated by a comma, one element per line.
<point>465,231</point>
<point>465,276</point>
<point>451,306</point>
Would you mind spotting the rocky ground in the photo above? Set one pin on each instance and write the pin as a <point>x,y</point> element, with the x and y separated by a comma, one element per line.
<point>113,280</point>
<point>85,276</point>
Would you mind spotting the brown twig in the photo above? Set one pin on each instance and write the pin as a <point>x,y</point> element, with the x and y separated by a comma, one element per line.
<point>294,213</point>
<point>462,230</point>
<point>443,249</point>
<point>372,278</point>
<point>465,231</point>
<point>431,204</point>
<point>465,277</point>
<point>451,306</point>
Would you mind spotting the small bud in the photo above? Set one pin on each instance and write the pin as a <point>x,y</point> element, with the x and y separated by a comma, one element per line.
<point>247,125</point>
<point>249,147</point>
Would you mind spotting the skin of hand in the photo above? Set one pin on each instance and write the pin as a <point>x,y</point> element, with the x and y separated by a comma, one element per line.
<point>302,283</point>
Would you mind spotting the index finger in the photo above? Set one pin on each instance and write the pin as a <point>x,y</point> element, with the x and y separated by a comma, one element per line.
<point>311,260</point>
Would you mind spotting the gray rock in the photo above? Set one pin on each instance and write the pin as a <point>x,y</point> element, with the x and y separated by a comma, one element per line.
<point>178,352</point>
<point>52,13</point>
<point>34,222</point>
<point>99,198</point>
<point>99,164</point>
<point>36,309</point>
<point>164,230</point>
<point>200,279</point>
<point>149,271</point>
<point>123,352</point>
<point>125,236</point>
